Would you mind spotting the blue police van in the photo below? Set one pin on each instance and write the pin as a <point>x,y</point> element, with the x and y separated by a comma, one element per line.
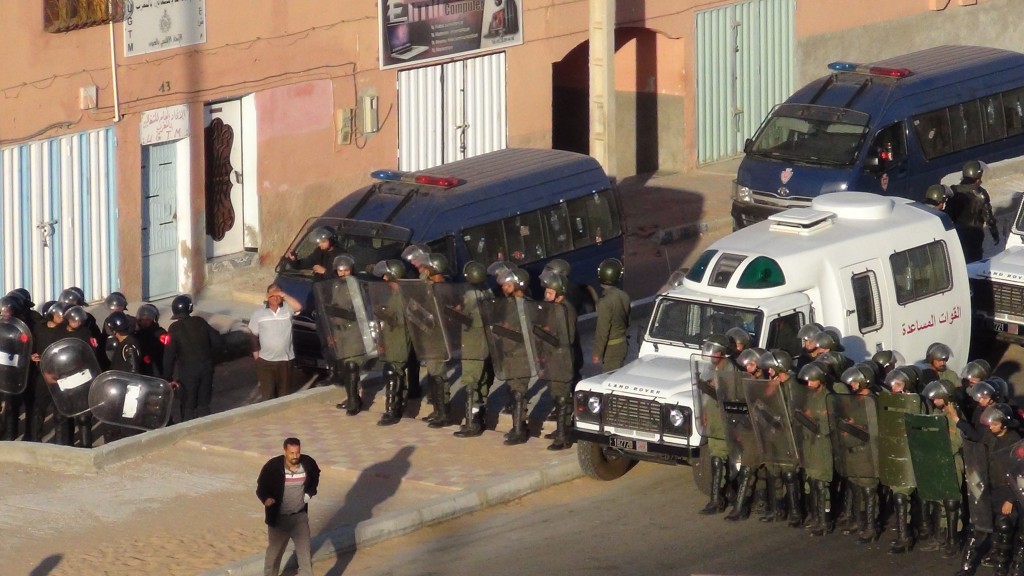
<point>523,206</point>
<point>891,127</point>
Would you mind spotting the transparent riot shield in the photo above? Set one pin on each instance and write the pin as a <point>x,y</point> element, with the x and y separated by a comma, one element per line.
<point>1015,470</point>
<point>131,400</point>
<point>932,455</point>
<point>344,319</point>
<point>15,356</point>
<point>739,428</point>
<point>430,316</point>
<point>895,468</point>
<point>773,428</point>
<point>388,313</point>
<point>450,299</point>
<point>811,429</point>
<point>979,495</point>
<point>68,367</point>
<point>854,420</point>
<point>509,338</point>
<point>549,326</point>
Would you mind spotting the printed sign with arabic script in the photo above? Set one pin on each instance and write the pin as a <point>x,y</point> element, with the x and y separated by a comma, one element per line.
<point>153,25</point>
<point>163,125</point>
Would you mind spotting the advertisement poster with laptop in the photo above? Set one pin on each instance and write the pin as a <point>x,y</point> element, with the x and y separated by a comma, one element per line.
<point>418,31</point>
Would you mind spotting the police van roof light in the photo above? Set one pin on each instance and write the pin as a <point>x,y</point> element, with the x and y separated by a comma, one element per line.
<point>391,175</point>
<point>873,70</point>
<point>842,66</point>
<point>442,181</point>
<point>891,72</point>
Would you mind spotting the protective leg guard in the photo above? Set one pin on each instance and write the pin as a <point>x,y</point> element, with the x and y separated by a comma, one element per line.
<point>811,507</point>
<point>869,529</point>
<point>931,540</point>
<point>10,426</point>
<point>793,493</point>
<point>846,521</point>
<point>822,525</point>
<point>64,430</point>
<point>84,423</point>
<point>1002,544</point>
<point>854,510</point>
<point>443,406</point>
<point>971,556</point>
<point>393,401</point>
<point>354,403</point>
<point>519,433</point>
<point>716,503</point>
<point>563,410</point>
<point>433,397</point>
<point>771,505</point>
<point>951,543</point>
<point>1017,560</point>
<point>904,540</point>
<point>744,494</point>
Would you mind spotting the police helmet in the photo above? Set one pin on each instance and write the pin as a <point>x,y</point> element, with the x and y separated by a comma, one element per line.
<point>937,390</point>
<point>776,359</point>
<point>26,295</point>
<point>558,265</point>
<point>118,322</point>
<point>76,314</point>
<point>974,170</point>
<point>750,355</point>
<point>609,271</point>
<point>344,262</point>
<point>715,343</point>
<point>858,376</point>
<point>829,340</point>
<point>324,233</point>
<point>50,308</point>
<point>115,301</point>
<point>438,263</point>
<point>148,311</point>
<point>888,359</point>
<point>904,375</point>
<point>556,281</point>
<point>521,278</point>
<point>739,336</point>
<point>71,296</point>
<point>13,304</point>
<point>181,306</point>
<point>938,351</point>
<point>1002,388</point>
<point>392,269</point>
<point>500,270</point>
<point>936,194</point>
<point>979,369</point>
<point>809,331</point>
<point>417,255</point>
<point>814,371</point>
<point>1000,413</point>
<point>474,272</point>
<point>983,390</point>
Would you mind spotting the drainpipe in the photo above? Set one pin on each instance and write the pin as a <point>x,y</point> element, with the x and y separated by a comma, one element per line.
<point>113,62</point>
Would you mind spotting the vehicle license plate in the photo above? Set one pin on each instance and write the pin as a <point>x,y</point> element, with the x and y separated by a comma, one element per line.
<point>627,444</point>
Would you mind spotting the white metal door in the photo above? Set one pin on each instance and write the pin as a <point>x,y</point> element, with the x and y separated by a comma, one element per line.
<point>225,209</point>
<point>451,111</point>
<point>159,221</point>
<point>59,225</point>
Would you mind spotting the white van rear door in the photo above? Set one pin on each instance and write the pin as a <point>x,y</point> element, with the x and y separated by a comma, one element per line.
<point>867,329</point>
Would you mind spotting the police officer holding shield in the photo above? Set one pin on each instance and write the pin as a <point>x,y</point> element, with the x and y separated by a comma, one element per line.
<point>477,372</point>
<point>394,339</point>
<point>560,378</point>
<point>124,354</point>
<point>715,350</point>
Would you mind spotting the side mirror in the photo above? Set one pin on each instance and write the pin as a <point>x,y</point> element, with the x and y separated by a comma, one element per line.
<point>748,145</point>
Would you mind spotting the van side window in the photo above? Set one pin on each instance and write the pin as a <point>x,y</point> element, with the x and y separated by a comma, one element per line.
<point>933,133</point>
<point>965,125</point>
<point>524,237</point>
<point>593,218</point>
<point>486,243</point>
<point>783,333</point>
<point>1013,111</point>
<point>555,220</point>
<point>993,122</point>
<point>724,269</point>
<point>920,272</point>
<point>890,146</point>
<point>867,300</point>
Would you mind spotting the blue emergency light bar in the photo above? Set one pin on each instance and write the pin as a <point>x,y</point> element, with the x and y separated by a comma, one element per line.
<point>413,178</point>
<point>872,70</point>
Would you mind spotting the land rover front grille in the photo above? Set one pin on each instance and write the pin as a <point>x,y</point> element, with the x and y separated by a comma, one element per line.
<point>633,414</point>
<point>1008,299</point>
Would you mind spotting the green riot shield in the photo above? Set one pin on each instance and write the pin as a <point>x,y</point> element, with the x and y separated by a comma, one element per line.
<point>932,455</point>
<point>549,325</point>
<point>429,318</point>
<point>770,415</point>
<point>854,420</point>
<point>343,319</point>
<point>509,338</point>
<point>979,496</point>
<point>809,409</point>
<point>388,313</point>
<point>707,417</point>
<point>739,429</point>
<point>895,468</point>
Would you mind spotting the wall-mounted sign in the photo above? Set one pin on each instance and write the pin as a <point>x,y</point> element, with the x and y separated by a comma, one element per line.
<point>163,125</point>
<point>417,31</point>
<point>152,25</point>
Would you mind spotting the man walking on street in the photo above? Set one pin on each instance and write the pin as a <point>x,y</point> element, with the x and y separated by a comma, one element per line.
<point>285,486</point>
<point>271,328</point>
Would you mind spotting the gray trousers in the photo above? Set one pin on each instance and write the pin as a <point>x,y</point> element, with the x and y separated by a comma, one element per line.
<point>294,527</point>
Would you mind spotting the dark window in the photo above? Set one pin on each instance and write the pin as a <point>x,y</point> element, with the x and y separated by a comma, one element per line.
<point>724,269</point>
<point>965,125</point>
<point>556,229</point>
<point>867,301</point>
<point>524,237</point>
<point>992,121</point>
<point>762,272</point>
<point>782,333</point>
<point>593,218</point>
<point>1013,111</point>
<point>920,272</point>
<point>486,243</point>
<point>696,274</point>
<point>933,133</point>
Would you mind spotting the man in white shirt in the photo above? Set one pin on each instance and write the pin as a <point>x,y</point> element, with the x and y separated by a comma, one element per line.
<point>271,328</point>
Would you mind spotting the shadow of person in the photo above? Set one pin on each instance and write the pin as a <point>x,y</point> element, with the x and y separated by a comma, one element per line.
<point>375,485</point>
<point>48,565</point>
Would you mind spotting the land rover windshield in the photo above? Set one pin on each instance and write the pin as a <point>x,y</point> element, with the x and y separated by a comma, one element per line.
<point>688,323</point>
<point>814,135</point>
<point>367,242</point>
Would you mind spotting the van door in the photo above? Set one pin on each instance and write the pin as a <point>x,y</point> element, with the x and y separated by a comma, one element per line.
<point>866,330</point>
<point>783,330</point>
<point>887,161</point>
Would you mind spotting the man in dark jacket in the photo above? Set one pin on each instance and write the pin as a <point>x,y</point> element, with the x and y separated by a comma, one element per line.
<point>285,486</point>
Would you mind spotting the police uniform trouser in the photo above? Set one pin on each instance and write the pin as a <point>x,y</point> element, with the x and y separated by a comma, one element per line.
<point>197,389</point>
<point>614,354</point>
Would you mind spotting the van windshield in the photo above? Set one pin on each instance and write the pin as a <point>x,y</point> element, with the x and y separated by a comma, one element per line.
<point>811,135</point>
<point>367,242</point>
<point>688,323</point>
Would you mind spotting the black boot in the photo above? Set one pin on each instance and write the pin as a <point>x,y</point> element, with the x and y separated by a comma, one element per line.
<point>432,399</point>
<point>563,409</point>
<point>811,507</point>
<point>64,430</point>
<point>10,417</point>
<point>394,404</point>
<point>519,433</point>
<point>1002,544</point>
<point>84,430</point>
<point>443,406</point>
<point>904,540</point>
<point>188,414</point>
<point>354,403</point>
<point>793,493</point>
<point>716,503</point>
<point>1017,560</point>
<point>771,504</point>
<point>475,418</point>
<point>869,528</point>
<point>822,524</point>
<point>744,494</point>
<point>847,521</point>
<point>951,543</point>
<point>972,554</point>
<point>931,518</point>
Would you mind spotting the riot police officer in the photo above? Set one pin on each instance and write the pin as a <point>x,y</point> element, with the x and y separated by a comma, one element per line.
<point>47,332</point>
<point>394,341</point>
<point>715,350</point>
<point>14,306</point>
<point>901,381</point>
<point>346,369</point>
<point>610,345</point>
<point>190,347</point>
<point>117,302</point>
<point>436,270</point>
<point>321,259</point>
<point>124,355</point>
<point>937,195</point>
<point>560,378</point>
<point>810,406</point>
<point>939,400</point>
<point>971,210</point>
<point>76,326</point>
<point>151,338</point>
<point>477,372</point>
<point>808,346</point>
<point>514,283</point>
<point>937,356</point>
<point>782,477</point>
<point>861,380</point>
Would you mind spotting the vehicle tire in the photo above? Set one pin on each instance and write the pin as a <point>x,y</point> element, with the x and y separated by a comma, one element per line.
<point>702,470</point>
<point>598,465</point>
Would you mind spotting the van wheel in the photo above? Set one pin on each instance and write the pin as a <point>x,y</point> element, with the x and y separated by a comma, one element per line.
<point>599,464</point>
<point>702,470</point>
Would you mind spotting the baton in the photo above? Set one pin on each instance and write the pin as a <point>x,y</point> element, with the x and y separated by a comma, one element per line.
<point>807,422</point>
<point>766,416</point>
<point>857,432</point>
<point>343,313</point>
<point>458,316</point>
<point>507,333</point>
<point>705,387</point>
<point>546,336</point>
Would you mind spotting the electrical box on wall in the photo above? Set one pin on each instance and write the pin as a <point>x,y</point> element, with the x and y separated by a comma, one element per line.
<point>368,114</point>
<point>344,120</point>
<point>87,97</point>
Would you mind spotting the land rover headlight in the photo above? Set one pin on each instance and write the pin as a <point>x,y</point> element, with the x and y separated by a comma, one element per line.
<point>588,406</point>
<point>678,420</point>
<point>741,193</point>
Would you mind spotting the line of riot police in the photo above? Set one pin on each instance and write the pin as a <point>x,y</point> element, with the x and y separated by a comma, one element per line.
<point>390,315</point>
<point>856,447</point>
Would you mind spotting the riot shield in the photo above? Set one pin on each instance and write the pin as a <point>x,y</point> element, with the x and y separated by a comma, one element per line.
<point>979,496</point>
<point>739,429</point>
<point>809,409</point>
<point>388,314</point>
<point>131,400</point>
<point>707,415</point>
<point>932,455</point>
<point>450,298</point>
<point>854,420</point>
<point>509,338</point>
<point>895,468</point>
<point>15,355</point>
<point>68,367</point>
<point>430,316</point>
<point>773,426</point>
<point>549,326</point>
<point>343,319</point>
<point>1015,470</point>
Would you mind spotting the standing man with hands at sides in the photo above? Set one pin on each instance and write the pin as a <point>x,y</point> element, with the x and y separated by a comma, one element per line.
<point>285,486</point>
<point>271,328</point>
<point>190,347</point>
<point>610,344</point>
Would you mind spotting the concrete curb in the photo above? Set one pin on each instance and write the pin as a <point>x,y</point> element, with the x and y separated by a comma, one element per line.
<point>347,538</point>
<point>68,459</point>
